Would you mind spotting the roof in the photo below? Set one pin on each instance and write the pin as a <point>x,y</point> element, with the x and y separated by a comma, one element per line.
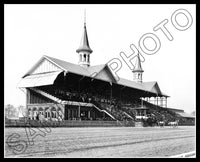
<point>93,71</point>
<point>175,110</point>
<point>84,45</point>
<point>39,79</point>
<point>67,66</point>
<point>185,115</point>
<point>151,87</point>
<point>131,84</point>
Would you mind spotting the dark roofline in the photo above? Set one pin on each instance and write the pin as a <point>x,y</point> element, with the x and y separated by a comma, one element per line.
<point>176,110</point>
<point>80,69</point>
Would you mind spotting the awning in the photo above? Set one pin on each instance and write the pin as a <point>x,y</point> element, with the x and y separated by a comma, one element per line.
<point>185,115</point>
<point>39,79</point>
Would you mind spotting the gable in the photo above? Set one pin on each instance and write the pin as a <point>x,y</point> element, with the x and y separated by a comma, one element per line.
<point>68,67</point>
<point>94,70</point>
<point>45,66</point>
<point>156,89</point>
<point>105,74</point>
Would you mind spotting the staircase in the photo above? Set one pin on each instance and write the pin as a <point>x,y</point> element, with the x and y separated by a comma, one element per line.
<point>116,113</point>
<point>105,112</point>
<point>128,115</point>
<point>46,95</point>
<point>60,101</point>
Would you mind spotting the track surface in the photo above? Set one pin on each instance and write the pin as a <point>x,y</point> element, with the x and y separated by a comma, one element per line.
<point>104,142</point>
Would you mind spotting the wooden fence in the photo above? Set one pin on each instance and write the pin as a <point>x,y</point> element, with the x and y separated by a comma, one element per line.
<point>67,123</point>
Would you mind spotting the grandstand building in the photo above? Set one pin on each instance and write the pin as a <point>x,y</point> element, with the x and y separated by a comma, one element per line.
<point>59,90</point>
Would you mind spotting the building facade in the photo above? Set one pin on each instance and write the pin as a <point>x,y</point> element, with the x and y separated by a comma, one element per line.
<point>57,90</point>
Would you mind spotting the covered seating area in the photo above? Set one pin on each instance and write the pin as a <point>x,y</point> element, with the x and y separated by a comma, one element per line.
<point>58,90</point>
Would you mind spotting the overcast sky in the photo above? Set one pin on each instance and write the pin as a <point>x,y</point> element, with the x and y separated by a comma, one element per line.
<point>31,31</point>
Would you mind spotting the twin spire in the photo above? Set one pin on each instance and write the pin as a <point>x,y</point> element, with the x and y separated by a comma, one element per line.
<point>84,52</point>
<point>84,49</point>
<point>138,66</point>
<point>84,45</point>
<point>137,71</point>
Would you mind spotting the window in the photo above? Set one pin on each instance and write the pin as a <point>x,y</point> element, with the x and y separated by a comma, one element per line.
<point>84,57</point>
<point>135,75</point>
<point>46,114</point>
<point>53,114</point>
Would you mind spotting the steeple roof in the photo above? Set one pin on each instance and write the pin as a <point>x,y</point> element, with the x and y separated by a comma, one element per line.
<point>84,45</point>
<point>138,66</point>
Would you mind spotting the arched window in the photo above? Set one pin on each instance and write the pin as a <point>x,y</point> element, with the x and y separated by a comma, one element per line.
<point>46,114</point>
<point>139,76</point>
<point>30,113</point>
<point>53,112</point>
<point>84,57</point>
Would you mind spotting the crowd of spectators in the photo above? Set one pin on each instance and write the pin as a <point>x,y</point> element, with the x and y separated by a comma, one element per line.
<point>114,106</point>
<point>161,114</point>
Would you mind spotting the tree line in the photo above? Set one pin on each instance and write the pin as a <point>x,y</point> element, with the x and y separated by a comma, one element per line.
<point>11,111</point>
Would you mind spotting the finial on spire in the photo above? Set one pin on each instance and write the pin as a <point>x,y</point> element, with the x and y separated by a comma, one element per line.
<point>84,45</point>
<point>84,17</point>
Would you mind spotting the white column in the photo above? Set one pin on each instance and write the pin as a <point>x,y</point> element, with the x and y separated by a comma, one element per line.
<point>89,114</point>
<point>31,114</point>
<point>80,57</point>
<point>79,112</point>
<point>34,114</point>
<point>161,101</point>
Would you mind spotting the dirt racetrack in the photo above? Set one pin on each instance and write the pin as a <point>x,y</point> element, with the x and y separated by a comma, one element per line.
<point>100,142</point>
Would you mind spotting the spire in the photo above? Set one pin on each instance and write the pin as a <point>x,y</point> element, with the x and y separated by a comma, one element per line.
<point>138,66</point>
<point>84,17</point>
<point>137,71</point>
<point>84,45</point>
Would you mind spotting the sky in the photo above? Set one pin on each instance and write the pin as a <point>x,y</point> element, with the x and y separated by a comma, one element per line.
<point>34,30</point>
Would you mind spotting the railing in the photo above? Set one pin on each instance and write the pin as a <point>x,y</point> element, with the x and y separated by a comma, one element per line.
<point>60,101</point>
<point>114,113</point>
<point>128,115</point>
<point>47,95</point>
<point>66,123</point>
<point>105,112</point>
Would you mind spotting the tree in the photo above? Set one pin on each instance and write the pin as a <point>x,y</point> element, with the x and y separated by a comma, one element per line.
<point>9,111</point>
<point>193,113</point>
<point>21,111</point>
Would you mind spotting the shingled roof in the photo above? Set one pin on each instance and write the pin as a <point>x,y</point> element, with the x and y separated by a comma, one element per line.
<point>93,71</point>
